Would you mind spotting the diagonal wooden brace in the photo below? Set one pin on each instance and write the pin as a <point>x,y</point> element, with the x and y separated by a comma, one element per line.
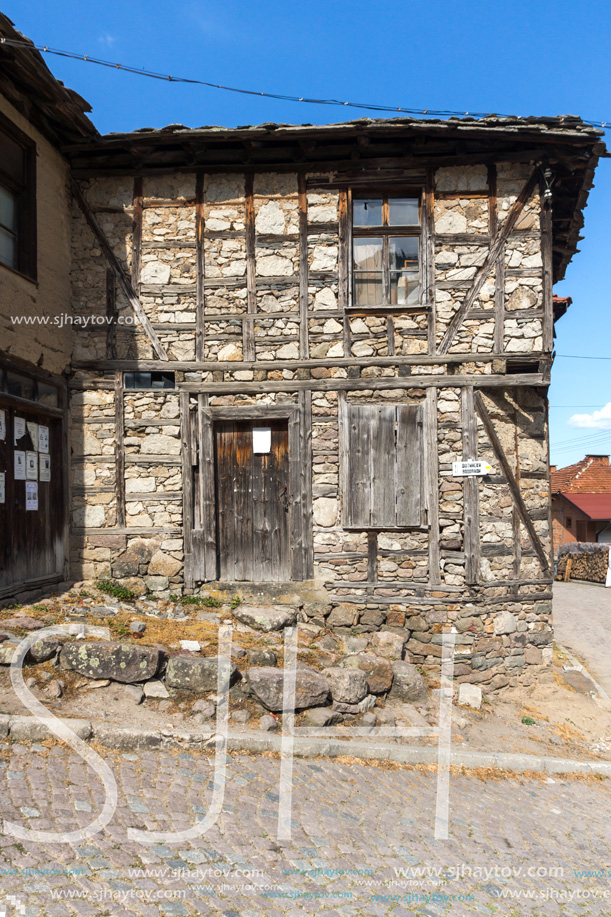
<point>496,248</point>
<point>480,407</point>
<point>122,278</point>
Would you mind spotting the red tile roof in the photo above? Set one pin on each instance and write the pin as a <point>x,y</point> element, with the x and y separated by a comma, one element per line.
<point>592,475</point>
<point>596,506</point>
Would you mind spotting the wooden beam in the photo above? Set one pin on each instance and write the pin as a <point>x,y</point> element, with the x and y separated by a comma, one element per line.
<point>121,276</point>
<point>137,233</point>
<point>429,259</point>
<point>470,488</point>
<point>111,315</point>
<point>200,268</point>
<point>248,328</point>
<point>499,279</point>
<point>511,482</point>
<point>548,279</point>
<point>431,470</point>
<point>187,487</point>
<point>493,255</point>
<point>345,259</point>
<point>119,451</point>
<point>304,347</point>
<point>207,495</point>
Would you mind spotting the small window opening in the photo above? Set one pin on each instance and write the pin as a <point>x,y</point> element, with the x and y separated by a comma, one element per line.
<point>156,380</point>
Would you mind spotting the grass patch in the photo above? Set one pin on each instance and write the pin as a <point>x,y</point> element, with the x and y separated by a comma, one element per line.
<point>528,721</point>
<point>236,601</point>
<point>112,588</point>
<point>197,601</point>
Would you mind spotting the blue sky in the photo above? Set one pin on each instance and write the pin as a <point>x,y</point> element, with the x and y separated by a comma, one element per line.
<point>536,57</point>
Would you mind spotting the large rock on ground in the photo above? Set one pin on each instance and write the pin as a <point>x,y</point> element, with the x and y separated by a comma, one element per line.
<point>22,622</point>
<point>196,674</point>
<point>124,662</point>
<point>348,686</point>
<point>266,617</point>
<point>408,684</point>
<point>266,684</point>
<point>377,670</point>
<point>45,649</point>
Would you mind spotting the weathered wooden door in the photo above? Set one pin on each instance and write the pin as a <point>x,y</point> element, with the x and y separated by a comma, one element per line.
<point>32,504</point>
<point>253,501</point>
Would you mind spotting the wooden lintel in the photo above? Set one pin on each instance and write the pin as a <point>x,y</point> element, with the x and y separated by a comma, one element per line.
<point>512,483</point>
<point>122,278</point>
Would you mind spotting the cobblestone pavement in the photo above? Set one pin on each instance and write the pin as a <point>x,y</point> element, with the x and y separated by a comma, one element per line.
<point>355,827</point>
<point>581,623</point>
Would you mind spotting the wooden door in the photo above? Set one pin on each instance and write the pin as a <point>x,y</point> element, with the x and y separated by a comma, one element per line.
<point>31,539</point>
<point>252,501</point>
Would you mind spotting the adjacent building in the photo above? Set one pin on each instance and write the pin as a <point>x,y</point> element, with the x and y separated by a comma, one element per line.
<point>581,501</point>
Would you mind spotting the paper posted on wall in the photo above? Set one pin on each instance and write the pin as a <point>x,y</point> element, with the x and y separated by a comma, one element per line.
<point>31,495</point>
<point>43,438</point>
<point>2,426</point>
<point>2,487</point>
<point>44,471</point>
<point>19,466</point>
<point>33,431</point>
<point>19,428</point>
<point>31,466</point>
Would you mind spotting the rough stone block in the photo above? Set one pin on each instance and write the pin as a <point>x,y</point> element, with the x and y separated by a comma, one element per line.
<point>123,662</point>
<point>470,695</point>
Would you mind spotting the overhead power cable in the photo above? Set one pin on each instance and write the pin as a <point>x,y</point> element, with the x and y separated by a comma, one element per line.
<point>140,71</point>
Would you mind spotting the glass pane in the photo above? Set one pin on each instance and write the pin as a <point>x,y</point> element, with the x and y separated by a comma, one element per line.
<point>368,254</point>
<point>404,252</point>
<point>404,288</point>
<point>7,248</point>
<point>20,386</point>
<point>7,209</point>
<point>367,289</point>
<point>367,212</point>
<point>47,395</point>
<point>403,211</point>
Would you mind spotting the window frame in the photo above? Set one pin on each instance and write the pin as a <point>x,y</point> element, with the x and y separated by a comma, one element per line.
<point>386,231</point>
<point>24,192</point>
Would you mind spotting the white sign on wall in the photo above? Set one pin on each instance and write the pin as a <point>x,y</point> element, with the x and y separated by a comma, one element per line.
<point>31,495</point>
<point>2,487</point>
<point>2,425</point>
<point>465,469</point>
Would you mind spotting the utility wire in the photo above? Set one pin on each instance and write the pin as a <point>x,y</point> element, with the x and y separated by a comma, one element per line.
<point>572,356</point>
<point>140,71</point>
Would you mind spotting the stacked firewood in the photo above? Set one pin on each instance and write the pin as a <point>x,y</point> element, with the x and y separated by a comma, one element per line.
<point>589,565</point>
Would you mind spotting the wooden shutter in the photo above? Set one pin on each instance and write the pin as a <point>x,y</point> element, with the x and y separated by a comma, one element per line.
<point>381,459</point>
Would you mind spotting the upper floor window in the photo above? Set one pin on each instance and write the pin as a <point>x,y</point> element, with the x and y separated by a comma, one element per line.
<point>386,251</point>
<point>17,200</point>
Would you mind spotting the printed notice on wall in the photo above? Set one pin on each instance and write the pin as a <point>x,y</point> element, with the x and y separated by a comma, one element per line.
<point>2,425</point>
<point>19,466</point>
<point>2,487</point>
<point>19,428</point>
<point>33,431</point>
<point>43,439</point>
<point>31,495</point>
<point>45,468</point>
<point>31,466</point>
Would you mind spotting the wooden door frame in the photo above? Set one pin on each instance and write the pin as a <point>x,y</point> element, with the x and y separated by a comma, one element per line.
<point>203,540</point>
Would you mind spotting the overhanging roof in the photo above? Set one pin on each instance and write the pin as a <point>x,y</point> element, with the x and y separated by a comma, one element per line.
<point>595,506</point>
<point>402,147</point>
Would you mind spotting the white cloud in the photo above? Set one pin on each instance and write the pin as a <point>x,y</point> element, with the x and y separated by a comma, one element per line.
<point>597,420</point>
<point>107,39</point>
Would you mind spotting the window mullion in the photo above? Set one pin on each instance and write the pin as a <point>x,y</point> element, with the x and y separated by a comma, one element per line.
<point>385,270</point>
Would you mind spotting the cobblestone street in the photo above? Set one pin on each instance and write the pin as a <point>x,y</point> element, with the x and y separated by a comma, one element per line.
<point>362,841</point>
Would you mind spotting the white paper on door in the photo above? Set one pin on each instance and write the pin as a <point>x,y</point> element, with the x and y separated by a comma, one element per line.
<point>19,428</point>
<point>31,495</point>
<point>43,438</point>
<point>19,465</point>
<point>261,440</point>
<point>31,466</point>
<point>45,468</point>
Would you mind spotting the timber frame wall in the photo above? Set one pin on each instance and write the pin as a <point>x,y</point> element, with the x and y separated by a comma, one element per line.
<point>240,282</point>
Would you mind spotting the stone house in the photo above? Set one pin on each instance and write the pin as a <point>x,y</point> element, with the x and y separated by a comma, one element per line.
<point>288,338</point>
